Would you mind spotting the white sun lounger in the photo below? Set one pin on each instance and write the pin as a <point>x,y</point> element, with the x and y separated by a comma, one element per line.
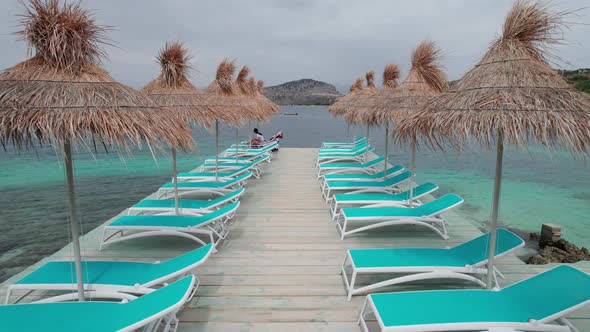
<point>427,215</point>
<point>344,144</point>
<point>358,156</point>
<point>351,149</point>
<point>210,176</point>
<point>253,167</point>
<point>379,176</point>
<point>387,186</point>
<point>204,187</point>
<point>536,304</point>
<point>369,167</point>
<point>186,206</point>
<point>211,225</point>
<point>339,201</point>
<point>106,279</point>
<point>464,262</point>
<point>150,313</point>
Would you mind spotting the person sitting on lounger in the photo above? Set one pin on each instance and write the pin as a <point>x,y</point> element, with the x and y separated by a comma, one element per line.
<point>258,139</point>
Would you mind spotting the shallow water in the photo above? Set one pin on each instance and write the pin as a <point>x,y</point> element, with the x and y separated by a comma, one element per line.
<point>538,186</point>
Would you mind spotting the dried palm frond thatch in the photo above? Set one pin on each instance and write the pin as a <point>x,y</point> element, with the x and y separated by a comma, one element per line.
<point>61,95</point>
<point>512,92</point>
<point>257,88</point>
<point>258,111</point>
<point>173,91</point>
<point>338,107</point>
<point>362,111</point>
<point>425,80</point>
<point>223,96</point>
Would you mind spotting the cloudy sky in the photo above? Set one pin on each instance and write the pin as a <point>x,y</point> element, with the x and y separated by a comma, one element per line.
<point>330,40</point>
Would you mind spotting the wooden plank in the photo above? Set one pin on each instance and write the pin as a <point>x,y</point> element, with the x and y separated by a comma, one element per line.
<point>279,268</point>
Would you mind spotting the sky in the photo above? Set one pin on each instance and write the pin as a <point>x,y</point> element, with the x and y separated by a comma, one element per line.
<point>329,40</point>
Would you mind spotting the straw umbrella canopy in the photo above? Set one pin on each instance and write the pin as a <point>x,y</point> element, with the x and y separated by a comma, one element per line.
<point>257,87</point>
<point>425,80</point>
<point>175,94</point>
<point>358,100</point>
<point>61,97</point>
<point>511,95</point>
<point>364,111</point>
<point>222,95</point>
<point>338,108</point>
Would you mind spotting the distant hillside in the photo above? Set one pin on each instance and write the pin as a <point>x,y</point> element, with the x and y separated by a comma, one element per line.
<point>303,92</point>
<point>579,78</point>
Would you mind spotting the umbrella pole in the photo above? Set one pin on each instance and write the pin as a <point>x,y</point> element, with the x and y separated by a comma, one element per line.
<point>412,170</point>
<point>175,180</point>
<point>367,148</point>
<point>347,130</point>
<point>386,150</point>
<point>237,143</point>
<point>73,218</point>
<point>495,208</point>
<point>216,150</point>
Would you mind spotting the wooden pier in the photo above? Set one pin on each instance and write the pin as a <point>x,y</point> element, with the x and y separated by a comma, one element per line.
<point>279,269</point>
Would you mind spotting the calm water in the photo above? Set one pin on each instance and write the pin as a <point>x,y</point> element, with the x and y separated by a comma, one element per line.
<point>538,187</point>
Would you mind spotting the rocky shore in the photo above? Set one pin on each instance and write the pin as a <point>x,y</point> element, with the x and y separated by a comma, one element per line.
<point>556,251</point>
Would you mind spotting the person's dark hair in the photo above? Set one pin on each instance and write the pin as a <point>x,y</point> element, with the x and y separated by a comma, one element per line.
<point>256,130</point>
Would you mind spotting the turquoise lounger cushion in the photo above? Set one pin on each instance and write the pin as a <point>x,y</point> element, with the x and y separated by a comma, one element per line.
<point>92,316</point>
<point>344,154</point>
<point>353,165</point>
<point>211,174</point>
<point>208,184</point>
<point>186,203</point>
<point>170,221</point>
<point>536,298</point>
<point>429,209</point>
<point>378,184</point>
<point>469,253</point>
<point>390,170</point>
<point>403,196</point>
<point>114,272</point>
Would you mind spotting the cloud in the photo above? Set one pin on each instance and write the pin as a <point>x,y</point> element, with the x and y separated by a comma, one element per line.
<point>329,40</point>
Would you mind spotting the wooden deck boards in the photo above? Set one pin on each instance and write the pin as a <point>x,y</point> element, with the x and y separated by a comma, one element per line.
<point>279,269</point>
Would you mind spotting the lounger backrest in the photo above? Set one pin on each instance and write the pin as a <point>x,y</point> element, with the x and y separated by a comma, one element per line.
<point>419,191</point>
<point>374,161</point>
<point>181,264</point>
<point>217,213</point>
<point>392,181</point>
<point>440,205</point>
<point>475,252</point>
<point>258,160</point>
<point>237,179</point>
<point>157,303</point>
<point>390,170</point>
<point>551,294</point>
<point>227,197</point>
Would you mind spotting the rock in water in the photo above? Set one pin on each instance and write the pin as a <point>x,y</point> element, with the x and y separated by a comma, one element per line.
<point>303,92</point>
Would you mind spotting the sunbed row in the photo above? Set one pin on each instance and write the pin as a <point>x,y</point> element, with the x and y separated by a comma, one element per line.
<point>152,292</point>
<point>374,195</point>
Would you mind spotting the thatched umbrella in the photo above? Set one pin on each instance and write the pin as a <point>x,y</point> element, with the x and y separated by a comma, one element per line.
<point>222,95</point>
<point>61,96</point>
<point>364,110</point>
<point>337,108</point>
<point>425,80</point>
<point>511,95</point>
<point>175,94</point>
<point>358,100</point>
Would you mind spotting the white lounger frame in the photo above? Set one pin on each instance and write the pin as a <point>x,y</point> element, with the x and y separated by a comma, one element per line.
<point>108,291</point>
<point>328,192</point>
<point>434,222</point>
<point>221,168</point>
<point>132,211</point>
<point>471,273</point>
<point>342,170</point>
<point>341,157</point>
<point>335,206</point>
<point>184,192</point>
<point>546,324</point>
<point>214,228</point>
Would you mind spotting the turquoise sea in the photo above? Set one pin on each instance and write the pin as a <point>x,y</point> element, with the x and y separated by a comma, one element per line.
<point>538,187</point>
